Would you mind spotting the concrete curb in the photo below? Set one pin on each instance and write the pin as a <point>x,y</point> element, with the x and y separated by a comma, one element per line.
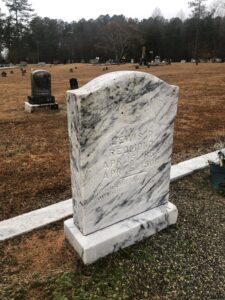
<point>35,219</point>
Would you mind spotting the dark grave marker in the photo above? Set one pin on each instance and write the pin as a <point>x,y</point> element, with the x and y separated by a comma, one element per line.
<point>41,91</point>
<point>23,72</point>
<point>73,84</point>
<point>41,88</point>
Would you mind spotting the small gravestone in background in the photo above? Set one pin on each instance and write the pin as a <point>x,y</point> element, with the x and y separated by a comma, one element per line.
<point>73,84</point>
<point>41,97</point>
<point>121,133</point>
<point>41,64</point>
<point>23,72</point>
<point>23,64</point>
<point>4,74</point>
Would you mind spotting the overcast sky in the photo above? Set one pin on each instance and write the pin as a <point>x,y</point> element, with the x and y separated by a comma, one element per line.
<point>70,10</point>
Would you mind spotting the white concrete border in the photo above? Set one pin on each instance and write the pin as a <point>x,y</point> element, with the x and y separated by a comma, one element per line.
<point>35,219</point>
<point>56,212</point>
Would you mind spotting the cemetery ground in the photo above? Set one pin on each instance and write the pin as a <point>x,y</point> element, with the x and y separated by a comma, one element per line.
<point>185,261</point>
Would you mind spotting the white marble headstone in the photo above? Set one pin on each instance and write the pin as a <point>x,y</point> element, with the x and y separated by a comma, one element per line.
<point>121,134</point>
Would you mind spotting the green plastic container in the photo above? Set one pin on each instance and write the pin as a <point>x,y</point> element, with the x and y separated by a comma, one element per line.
<point>217,177</point>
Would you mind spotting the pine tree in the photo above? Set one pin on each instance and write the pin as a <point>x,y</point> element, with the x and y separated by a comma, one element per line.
<point>20,12</point>
<point>198,12</point>
<point>2,21</point>
<point>17,27</point>
<point>198,9</point>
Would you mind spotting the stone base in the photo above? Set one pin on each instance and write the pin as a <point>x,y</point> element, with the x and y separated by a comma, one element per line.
<point>120,235</point>
<point>40,107</point>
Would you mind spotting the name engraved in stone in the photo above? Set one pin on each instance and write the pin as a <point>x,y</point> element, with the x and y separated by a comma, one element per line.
<point>129,155</point>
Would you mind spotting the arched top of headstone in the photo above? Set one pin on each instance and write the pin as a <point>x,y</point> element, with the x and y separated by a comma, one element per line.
<point>123,78</point>
<point>41,73</point>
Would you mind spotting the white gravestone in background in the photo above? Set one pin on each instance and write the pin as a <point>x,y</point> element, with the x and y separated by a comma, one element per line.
<point>121,134</point>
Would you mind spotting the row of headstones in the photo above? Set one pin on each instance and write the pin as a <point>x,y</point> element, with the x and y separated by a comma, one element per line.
<point>23,72</point>
<point>4,74</point>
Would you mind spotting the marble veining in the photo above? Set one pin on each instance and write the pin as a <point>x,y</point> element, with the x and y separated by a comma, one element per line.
<point>121,134</point>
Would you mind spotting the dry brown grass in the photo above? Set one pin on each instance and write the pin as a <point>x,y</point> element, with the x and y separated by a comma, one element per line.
<point>34,169</point>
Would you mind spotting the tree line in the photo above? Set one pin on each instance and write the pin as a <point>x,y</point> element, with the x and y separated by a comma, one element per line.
<point>25,36</point>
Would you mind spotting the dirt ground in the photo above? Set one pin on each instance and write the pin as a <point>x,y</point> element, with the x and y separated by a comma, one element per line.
<point>34,154</point>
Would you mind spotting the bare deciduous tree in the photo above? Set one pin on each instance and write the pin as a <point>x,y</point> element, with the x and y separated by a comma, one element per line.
<point>218,8</point>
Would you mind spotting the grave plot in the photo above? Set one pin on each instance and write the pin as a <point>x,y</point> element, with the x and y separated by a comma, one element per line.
<point>120,132</point>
